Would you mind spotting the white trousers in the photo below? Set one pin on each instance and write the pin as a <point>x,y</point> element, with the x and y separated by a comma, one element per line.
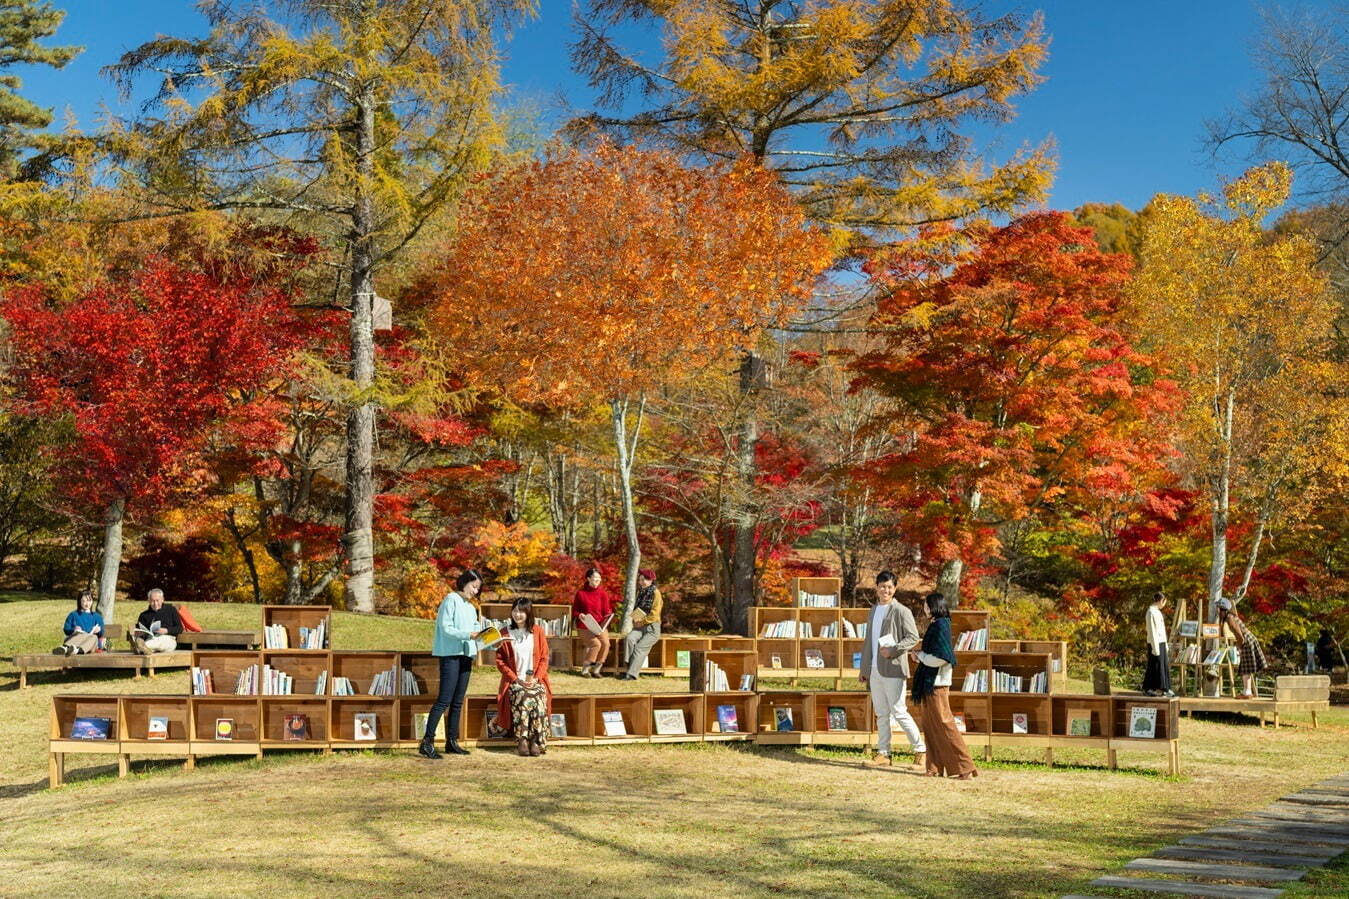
<point>162,643</point>
<point>887,698</point>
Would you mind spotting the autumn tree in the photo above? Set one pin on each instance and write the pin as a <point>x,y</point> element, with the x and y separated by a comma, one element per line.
<point>23,24</point>
<point>861,106</point>
<point>1247,322</point>
<point>358,118</point>
<point>1011,383</point>
<point>595,278</point>
<point>145,366</point>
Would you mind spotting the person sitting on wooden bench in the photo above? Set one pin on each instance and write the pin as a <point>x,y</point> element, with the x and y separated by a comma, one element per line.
<point>158,627</point>
<point>83,628</point>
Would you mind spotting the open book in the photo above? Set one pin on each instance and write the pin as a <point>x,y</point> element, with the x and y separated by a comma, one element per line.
<point>595,627</point>
<point>489,637</point>
<point>153,630</point>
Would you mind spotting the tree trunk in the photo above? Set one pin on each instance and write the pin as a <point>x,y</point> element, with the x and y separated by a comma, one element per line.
<point>112,558</point>
<point>358,540</point>
<point>1221,496</point>
<point>627,452</point>
<point>948,579</point>
<point>743,555</point>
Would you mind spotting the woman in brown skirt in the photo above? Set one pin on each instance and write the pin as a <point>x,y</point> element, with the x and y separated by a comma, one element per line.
<point>1253,659</point>
<point>946,750</point>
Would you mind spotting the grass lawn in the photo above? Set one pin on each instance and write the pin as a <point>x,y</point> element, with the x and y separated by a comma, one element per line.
<point>666,820</point>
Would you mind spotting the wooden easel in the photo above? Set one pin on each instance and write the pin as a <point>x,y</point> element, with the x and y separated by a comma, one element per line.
<point>1226,670</point>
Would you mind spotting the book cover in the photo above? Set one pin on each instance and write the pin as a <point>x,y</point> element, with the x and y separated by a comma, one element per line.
<point>589,623</point>
<point>838,718</point>
<point>670,722</point>
<point>1189,628</point>
<point>419,720</point>
<point>1215,657</point>
<point>224,728</point>
<point>746,682</point>
<point>1208,631</point>
<point>960,722</point>
<point>90,728</point>
<point>296,729</point>
<point>1079,722</point>
<point>613,723</point>
<point>814,658</point>
<point>681,658</point>
<point>783,718</point>
<point>776,661</point>
<point>557,725</point>
<point>490,729</point>
<point>365,726</point>
<point>157,729</point>
<point>489,637</point>
<point>1142,722</point>
<point>727,720</point>
<point>1020,723</point>
<point>857,660</point>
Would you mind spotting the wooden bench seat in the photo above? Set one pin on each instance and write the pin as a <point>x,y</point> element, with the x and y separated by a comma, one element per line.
<point>214,639</point>
<point>50,661</point>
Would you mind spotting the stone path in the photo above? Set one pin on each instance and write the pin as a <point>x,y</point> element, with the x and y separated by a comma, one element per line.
<point>1250,857</point>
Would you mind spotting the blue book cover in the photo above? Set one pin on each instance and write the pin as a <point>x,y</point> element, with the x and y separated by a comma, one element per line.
<point>90,728</point>
<point>784,719</point>
<point>727,719</point>
<point>857,660</point>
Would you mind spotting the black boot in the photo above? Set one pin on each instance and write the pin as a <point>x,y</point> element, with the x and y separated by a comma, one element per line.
<point>427,750</point>
<point>453,748</point>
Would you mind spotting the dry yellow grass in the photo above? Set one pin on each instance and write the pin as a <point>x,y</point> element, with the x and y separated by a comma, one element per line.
<point>608,821</point>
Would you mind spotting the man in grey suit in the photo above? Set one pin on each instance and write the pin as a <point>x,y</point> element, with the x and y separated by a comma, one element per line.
<point>891,633</point>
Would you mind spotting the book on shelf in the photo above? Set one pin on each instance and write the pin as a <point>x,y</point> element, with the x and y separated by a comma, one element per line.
<point>276,682</point>
<point>313,637</point>
<point>1142,722</point>
<point>782,718</point>
<point>790,629</point>
<point>849,630</point>
<point>246,684</point>
<point>727,722</point>
<point>224,728</point>
<point>274,636</point>
<point>715,678</point>
<point>90,727</point>
<point>384,683</point>
<point>1079,722</point>
<point>960,722</point>
<point>410,685</point>
<point>670,722</point>
<point>857,660</point>
<point>816,600</point>
<point>775,661</point>
<point>157,728</point>
<point>490,728</point>
<point>1056,665</point>
<point>814,658</point>
<point>1015,683</point>
<point>1215,657</point>
<point>613,723</point>
<point>202,682</point>
<point>837,718</point>
<point>419,720</point>
<point>746,682</point>
<point>973,640</point>
<point>296,728</point>
<point>557,725</point>
<point>365,726</point>
<point>1020,723</point>
<point>681,658</point>
<point>1209,631</point>
<point>975,681</point>
<point>595,627</point>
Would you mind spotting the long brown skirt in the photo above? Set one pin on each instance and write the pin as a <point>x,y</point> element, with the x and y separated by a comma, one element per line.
<point>946,750</point>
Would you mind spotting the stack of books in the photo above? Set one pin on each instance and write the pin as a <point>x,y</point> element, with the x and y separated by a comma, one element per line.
<point>816,600</point>
<point>274,637</point>
<point>716,679</point>
<point>788,630</point>
<point>247,682</point>
<point>972,641</point>
<point>1012,683</point>
<point>202,683</point>
<point>383,684</point>
<point>976,682</point>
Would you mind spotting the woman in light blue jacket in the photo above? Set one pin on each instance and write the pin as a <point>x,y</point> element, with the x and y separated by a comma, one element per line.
<point>455,644</point>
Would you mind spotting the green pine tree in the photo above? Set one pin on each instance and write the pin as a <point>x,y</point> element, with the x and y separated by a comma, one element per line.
<point>22,24</point>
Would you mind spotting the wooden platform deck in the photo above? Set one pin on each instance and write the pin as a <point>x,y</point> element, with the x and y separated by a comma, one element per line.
<point>1264,707</point>
<point>50,661</point>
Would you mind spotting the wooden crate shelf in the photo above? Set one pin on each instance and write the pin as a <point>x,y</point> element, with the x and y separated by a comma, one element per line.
<point>292,618</point>
<point>801,707</point>
<point>342,723</point>
<point>745,705</point>
<point>858,720</point>
<point>361,668</point>
<point>245,714</point>
<point>276,710</point>
<point>303,666</point>
<point>817,586</point>
<point>690,705</point>
<point>134,724</point>
<point>737,665</point>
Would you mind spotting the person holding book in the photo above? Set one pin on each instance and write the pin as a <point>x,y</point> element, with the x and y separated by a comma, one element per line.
<point>454,645</point>
<point>1252,660</point>
<point>525,695</point>
<point>158,627</point>
<point>83,628</point>
<point>891,633</point>
<point>645,623</point>
<point>592,608</point>
<point>947,753</point>
<point>1157,675</point>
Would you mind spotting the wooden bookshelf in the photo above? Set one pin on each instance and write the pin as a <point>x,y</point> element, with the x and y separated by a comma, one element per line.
<point>1023,665</point>
<point>65,709</point>
<point>292,618</point>
<point>731,641</point>
<point>735,662</point>
<point>225,666</point>
<point>425,668</point>
<point>276,709</point>
<point>802,709</point>
<point>826,650</point>
<point>134,724</point>
<point>342,724</point>
<point>303,665</point>
<point>635,710</point>
<point>579,712</point>
<point>859,720</point>
<point>687,645</point>
<point>245,714</point>
<point>361,668</point>
<point>691,705</point>
<point>819,586</point>
<point>746,706</point>
<point>473,722</point>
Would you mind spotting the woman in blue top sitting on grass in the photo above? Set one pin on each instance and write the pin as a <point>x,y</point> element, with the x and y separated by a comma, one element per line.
<point>84,628</point>
<point>455,645</point>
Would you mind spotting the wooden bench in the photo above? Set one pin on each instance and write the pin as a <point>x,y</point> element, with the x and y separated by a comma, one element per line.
<point>112,660</point>
<point>1292,693</point>
<point>208,639</point>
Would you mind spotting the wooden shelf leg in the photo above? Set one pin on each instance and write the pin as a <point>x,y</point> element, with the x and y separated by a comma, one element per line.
<point>1276,720</point>
<point>123,764</point>
<point>23,678</point>
<point>1112,758</point>
<point>190,763</point>
<point>56,769</point>
<point>1262,719</point>
<point>988,752</point>
<point>1049,756</point>
<point>1313,719</point>
<point>150,668</point>
<point>136,672</point>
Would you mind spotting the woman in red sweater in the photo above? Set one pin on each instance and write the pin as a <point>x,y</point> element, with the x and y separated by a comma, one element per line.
<point>525,696</point>
<point>595,601</point>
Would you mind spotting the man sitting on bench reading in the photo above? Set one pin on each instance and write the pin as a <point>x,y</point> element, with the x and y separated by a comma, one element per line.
<point>158,627</point>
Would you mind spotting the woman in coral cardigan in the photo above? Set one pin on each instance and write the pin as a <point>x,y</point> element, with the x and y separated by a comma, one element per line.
<point>525,696</point>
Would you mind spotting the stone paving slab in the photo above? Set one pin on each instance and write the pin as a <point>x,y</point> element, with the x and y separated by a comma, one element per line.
<point>1182,888</point>
<point>1268,829</point>
<point>1268,848</point>
<point>1238,856</point>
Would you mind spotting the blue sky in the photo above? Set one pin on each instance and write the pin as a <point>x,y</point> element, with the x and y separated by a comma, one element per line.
<point>1129,84</point>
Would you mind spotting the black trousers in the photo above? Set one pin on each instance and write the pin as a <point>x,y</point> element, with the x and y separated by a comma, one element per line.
<point>1157,676</point>
<point>454,672</point>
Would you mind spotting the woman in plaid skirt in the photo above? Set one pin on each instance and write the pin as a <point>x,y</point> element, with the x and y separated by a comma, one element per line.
<point>1253,659</point>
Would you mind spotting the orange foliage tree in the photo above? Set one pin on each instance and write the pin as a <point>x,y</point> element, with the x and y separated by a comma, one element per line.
<point>580,279</point>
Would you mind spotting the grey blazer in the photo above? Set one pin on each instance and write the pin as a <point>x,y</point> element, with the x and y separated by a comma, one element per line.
<point>899,625</point>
